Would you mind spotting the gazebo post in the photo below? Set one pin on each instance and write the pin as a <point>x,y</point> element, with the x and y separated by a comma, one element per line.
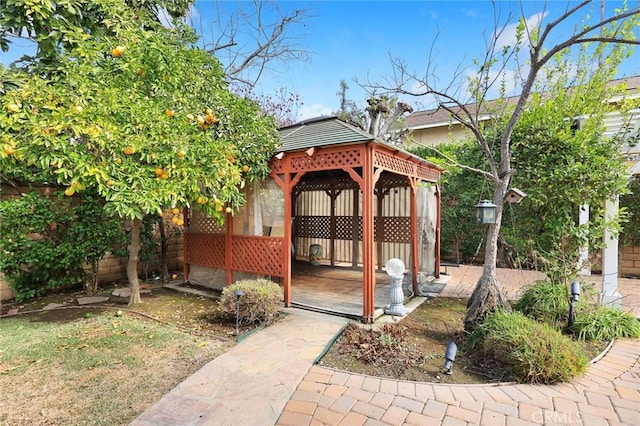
<point>229,249</point>
<point>438,216</point>
<point>288,214</point>
<point>368,274</point>
<point>413,207</point>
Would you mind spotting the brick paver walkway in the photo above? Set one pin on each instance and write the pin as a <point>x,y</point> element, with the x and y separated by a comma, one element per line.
<point>609,394</point>
<point>269,378</point>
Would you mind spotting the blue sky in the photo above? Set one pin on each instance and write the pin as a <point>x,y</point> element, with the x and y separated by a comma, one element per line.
<point>353,39</point>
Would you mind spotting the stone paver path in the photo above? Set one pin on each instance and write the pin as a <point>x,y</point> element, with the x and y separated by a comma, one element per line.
<point>609,394</point>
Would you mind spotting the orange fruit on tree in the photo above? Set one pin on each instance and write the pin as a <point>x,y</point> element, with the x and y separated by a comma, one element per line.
<point>9,150</point>
<point>13,107</point>
<point>110,182</point>
<point>210,118</point>
<point>175,210</point>
<point>228,209</point>
<point>158,171</point>
<point>117,51</point>
<point>129,150</point>
<point>221,173</point>
<point>219,207</point>
<point>190,117</point>
<point>175,219</point>
<point>169,113</point>
<point>179,222</point>
<point>69,191</point>
<point>246,168</point>
<point>202,200</point>
<point>181,153</point>
<point>208,111</point>
<point>164,175</point>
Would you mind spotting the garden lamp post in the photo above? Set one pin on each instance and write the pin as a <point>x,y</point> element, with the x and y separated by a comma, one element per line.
<point>238,294</point>
<point>450,356</point>
<point>395,270</point>
<point>575,296</point>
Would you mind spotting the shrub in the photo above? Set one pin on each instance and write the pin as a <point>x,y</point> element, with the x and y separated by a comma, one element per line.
<point>45,241</point>
<point>261,301</point>
<point>605,323</point>
<point>531,351</point>
<point>545,301</point>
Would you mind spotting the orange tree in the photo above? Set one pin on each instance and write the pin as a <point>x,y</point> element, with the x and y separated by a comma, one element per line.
<point>141,115</point>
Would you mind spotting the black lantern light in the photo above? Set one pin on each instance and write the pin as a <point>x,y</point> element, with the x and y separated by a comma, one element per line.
<point>486,211</point>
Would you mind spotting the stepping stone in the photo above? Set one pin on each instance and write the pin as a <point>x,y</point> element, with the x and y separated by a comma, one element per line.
<point>53,306</point>
<point>91,300</point>
<point>12,311</point>
<point>126,291</point>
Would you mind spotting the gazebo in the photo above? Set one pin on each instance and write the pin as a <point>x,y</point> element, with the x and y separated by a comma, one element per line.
<point>360,201</point>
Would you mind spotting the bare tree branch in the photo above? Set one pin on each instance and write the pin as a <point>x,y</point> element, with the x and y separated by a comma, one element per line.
<point>248,42</point>
<point>453,162</point>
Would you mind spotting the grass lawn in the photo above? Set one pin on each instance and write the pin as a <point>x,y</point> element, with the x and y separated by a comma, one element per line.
<point>101,366</point>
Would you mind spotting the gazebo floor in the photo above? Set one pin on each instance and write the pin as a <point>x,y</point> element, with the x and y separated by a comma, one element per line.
<point>335,289</point>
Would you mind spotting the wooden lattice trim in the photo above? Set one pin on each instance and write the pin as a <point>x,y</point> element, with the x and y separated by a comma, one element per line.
<point>260,255</point>
<point>394,164</point>
<point>276,166</point>
<point>395,229</point>
<point>313,226</point>
<point>329,160</point>
<point>205,249</point>
<point>428,174</point>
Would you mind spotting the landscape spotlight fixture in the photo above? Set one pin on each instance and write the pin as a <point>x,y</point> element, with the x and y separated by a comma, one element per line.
<point>575,296</point>
<point>450,356</point>
<point>239,293</point>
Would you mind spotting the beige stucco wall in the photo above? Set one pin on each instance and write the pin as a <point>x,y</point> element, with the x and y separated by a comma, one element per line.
<point>434,136</point>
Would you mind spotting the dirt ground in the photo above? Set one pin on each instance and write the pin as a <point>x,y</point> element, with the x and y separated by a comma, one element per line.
<point>429,328</point>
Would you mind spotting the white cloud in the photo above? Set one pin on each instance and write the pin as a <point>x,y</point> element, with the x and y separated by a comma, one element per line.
<point>313,111</point>
<point>507,34</point>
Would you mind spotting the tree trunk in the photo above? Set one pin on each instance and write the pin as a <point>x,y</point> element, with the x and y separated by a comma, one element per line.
<point>164,251</point>
<point>132,266</point>
<point>488,294</point>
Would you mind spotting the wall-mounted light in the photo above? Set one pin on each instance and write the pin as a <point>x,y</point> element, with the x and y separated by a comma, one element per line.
<point>310,151</point>
<point>450,356</point>
<point>486,211</point>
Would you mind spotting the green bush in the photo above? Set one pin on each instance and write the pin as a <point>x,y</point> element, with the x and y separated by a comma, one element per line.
<point>46,241</point>
<point>545,301</point>
<point>605,323</point>
<point>531,351</point>
<point>261,301</point>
